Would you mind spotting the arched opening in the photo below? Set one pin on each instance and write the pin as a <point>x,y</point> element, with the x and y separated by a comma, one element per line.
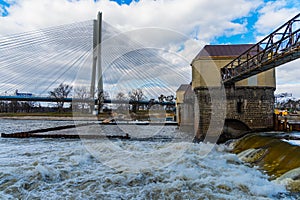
<point>233,129</point>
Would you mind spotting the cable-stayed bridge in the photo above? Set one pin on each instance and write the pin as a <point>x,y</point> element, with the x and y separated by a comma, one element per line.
<point>89,55</point>
<point>94,101</point>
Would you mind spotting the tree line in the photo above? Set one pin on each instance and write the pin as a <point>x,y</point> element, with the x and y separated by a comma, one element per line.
<point>83,94</point>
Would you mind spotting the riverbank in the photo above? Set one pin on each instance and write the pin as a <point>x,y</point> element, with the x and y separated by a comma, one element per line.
<point>47,116</point>
<point>38,114</point>
<point>50,118</point>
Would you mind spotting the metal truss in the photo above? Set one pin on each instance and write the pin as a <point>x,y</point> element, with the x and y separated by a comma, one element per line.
<point>281,46</point>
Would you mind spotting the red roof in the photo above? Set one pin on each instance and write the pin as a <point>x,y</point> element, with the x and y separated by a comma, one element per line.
<point>223,50</point>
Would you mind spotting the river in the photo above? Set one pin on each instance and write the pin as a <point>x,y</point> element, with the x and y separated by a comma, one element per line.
<point>115,169</point>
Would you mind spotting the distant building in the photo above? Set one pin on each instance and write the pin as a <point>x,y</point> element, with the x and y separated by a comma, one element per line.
<point>22,94</point>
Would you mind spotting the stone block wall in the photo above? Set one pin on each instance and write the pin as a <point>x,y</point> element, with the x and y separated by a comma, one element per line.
<point>253,106</point>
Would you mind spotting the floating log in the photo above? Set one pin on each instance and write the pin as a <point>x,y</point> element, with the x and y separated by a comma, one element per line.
<point>65,136</point>
<point>35,133</point>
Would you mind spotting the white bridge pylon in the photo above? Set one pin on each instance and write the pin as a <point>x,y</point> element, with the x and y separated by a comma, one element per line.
<point>97,68</point>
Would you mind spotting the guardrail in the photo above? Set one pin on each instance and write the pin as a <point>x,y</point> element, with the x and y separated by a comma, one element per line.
<point>108,101</point>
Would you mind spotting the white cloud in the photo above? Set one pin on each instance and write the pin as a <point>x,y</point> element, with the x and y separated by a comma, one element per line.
<point>284,72</point>
<point>274,14</point>
<point>201,19</point>
<point>287,77</point>
<point>290,88</point>
<point>212,16</point>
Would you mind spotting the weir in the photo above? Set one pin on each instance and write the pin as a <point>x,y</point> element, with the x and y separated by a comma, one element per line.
<point>272,153</point>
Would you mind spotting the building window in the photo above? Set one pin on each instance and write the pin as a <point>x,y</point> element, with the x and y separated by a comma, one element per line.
<point>239,105</point>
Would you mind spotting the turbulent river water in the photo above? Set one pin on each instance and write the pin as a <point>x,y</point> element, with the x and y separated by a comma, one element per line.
<point>116,169</point>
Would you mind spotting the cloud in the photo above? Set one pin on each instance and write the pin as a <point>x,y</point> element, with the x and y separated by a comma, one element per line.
<point>2,11</point>
<point>287,78</point>
<point>274,14</point>
<point>290,88</point>
<point>201,21</point>
<point>213,16</point>
<point>284,72</point>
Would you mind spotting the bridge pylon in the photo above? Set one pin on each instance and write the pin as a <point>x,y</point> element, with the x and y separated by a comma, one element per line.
<point>97,61</point>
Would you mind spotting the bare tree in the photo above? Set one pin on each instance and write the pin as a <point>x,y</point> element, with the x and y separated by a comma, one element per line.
<point>169,99</point>
<point>14,106</point>
<point>82,94</point>
<point>121,97</point>
<point>26,106</point>
<point>161,98</point>
<point>60,93</point>
<point>135,96</point>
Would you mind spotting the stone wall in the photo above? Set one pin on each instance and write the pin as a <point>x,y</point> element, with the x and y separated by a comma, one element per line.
<point>186,117</point>
<point>252,106</point>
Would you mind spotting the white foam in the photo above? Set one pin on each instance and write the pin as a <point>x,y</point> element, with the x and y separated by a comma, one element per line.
<point>293,142</point>
<point>292,174</point>
<point>51,169</point>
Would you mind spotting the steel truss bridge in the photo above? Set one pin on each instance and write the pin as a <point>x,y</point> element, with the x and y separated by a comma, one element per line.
<point>280,47</point>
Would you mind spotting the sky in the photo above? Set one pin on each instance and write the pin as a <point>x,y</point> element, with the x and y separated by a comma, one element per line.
<point>202,21</point>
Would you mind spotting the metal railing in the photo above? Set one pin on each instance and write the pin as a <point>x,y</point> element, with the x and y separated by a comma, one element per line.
<point>281,46</point>
<point>108,101</point>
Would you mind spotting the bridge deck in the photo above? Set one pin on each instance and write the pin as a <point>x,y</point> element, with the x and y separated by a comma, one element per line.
<point>281,46</point>
<point>108,101</point>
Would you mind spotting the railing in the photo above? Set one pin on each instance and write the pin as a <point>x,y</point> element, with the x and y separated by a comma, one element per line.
<point>279,47</point>
<point>108,101</point>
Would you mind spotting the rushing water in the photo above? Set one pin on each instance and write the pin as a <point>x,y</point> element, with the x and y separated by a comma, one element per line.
<point>70,169</point>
